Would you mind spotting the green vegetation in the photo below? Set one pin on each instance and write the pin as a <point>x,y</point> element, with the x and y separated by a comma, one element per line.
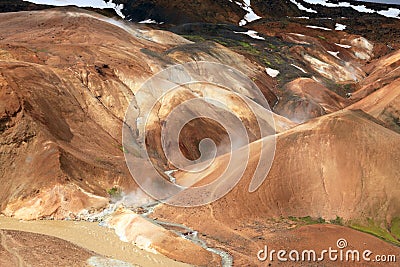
<point>373,228</point>
<point>395,228</point>
<point>339,88</point>
<point>266,61</point>
<point>391,235</point>
<point>220,41</point>
<point>284,24</point>
<point>225,42</point>
<point>321,37</point>
<point>308,220</point>
<point>194,38</point>
<point>337,221</point>
<point>345,88</point>
<point>123,149</point>
<point>272,53</point>
<point>244,44</point>
<point>279,61</point>
<point>114,192</point>
<point>248,48</point>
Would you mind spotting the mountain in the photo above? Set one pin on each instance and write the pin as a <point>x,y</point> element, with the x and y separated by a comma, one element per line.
<point>85,105</point>
<point>49,119</point>
<point>326,168</point>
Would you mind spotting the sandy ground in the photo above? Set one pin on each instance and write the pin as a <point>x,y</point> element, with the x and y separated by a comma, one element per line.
<point>90,236</point>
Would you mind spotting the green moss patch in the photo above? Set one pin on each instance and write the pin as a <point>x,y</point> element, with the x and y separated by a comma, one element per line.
<point>374,228</point>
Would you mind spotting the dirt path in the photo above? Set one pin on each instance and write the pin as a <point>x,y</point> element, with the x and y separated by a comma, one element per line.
<point>90,236</point>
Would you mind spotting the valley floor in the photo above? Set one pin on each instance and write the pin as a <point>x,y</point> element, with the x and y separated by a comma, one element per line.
<point>89,236</point>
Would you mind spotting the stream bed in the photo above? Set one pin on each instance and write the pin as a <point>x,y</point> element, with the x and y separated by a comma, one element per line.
<point>187,233</point>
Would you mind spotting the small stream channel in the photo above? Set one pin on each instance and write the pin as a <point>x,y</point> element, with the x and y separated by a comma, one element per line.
<point>187,233</point>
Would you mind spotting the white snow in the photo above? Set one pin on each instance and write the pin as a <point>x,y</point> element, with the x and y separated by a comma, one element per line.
<point>340,27</point>
<point>298,40</point>
<point>82,3</point>
<point>272,72</point>
<point>363,9</point>
<point>343,46</point>
<point>390,13</point>
<point>324,3</point>
<point>299,68</point>
<point>252,34</point>
<point>250,16</point>
<point>318,27</point>
<point>150,21</point>
<point>118,10</point>
<point>301,7</point>
<point>335,54</point>
<point>297,34</point>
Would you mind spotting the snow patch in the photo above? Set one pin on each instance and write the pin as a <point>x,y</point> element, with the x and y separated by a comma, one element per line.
<point>272,72</point>
<point>301,7</point>
<point>343,46</point>
<point>335,54</point>
<point>363,9</point>
<point>297,34</point>
<point>340,27</point>
<point>250,16</point>
<point>318,27</point>
<point>299,68</point>
<point>390,13</point>
<point>118,9</point>
<point>150,21</point>
<point>82,3</point>
<point>327,4</point>
<point>297,40</point>
<point>252,34</point>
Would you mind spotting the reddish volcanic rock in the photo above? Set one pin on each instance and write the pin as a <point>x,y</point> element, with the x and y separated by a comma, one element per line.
<point>304,99</point>
<point>381,72</point>
<point>328,167</point>
<point>64,95</point>
<point>67,77</point>
<point>383,104</point>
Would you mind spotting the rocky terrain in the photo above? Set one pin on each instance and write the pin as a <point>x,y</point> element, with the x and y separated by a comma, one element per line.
<point>19,241</point>
<point>323,85</point>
